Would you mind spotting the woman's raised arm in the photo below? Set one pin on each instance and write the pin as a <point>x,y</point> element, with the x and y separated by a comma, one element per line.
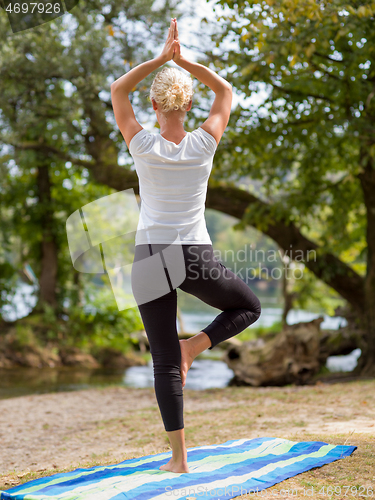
<point>121,88</point>
<point>220,110</point>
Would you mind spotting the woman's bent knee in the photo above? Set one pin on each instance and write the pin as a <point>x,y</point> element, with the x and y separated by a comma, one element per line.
<point>256,308</point>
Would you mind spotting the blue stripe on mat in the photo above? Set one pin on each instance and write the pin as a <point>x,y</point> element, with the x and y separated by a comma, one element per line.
<point>216,471</point>
<point>252,464</point>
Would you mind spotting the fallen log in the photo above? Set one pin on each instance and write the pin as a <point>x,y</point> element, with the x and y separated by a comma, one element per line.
<point>291,356</point>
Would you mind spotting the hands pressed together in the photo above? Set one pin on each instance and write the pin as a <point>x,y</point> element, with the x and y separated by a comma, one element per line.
<point>172,48</point>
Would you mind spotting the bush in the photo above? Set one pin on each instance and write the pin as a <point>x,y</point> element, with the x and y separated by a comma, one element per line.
<point>21,337</point>
<point>101,324</point>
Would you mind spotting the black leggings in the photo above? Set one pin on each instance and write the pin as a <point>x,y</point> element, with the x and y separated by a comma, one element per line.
<point>210,281</point>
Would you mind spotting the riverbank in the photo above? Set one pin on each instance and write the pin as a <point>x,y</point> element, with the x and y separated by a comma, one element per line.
<point>43,434</point>
<point>21,348</point>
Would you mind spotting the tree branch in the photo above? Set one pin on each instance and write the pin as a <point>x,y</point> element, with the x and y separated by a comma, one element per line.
<point>342,278</point>
<point>327,57</point>
<point>298,92</point>
<point>234,201</point>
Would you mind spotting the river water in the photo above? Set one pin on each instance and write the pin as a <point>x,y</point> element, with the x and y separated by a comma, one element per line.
<point>207,371</point>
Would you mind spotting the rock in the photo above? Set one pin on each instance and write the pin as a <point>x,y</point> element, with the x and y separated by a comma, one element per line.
<point>30,356</point>
<point>72,356</point>
<point>292,356</point>
<point>112,358</point>
<point>50,358</point>
<point>4,361</point>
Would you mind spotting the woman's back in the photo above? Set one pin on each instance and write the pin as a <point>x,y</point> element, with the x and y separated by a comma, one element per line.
<point>173,186</point>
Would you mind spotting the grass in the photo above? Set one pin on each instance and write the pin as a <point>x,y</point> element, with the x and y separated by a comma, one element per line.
<point>333,413</point>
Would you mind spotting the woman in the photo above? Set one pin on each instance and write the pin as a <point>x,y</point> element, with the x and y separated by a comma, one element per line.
<point>173,169</point>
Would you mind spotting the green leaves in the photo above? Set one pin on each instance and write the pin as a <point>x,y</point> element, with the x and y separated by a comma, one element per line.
<point>56,113</point>
<point>317,62</point>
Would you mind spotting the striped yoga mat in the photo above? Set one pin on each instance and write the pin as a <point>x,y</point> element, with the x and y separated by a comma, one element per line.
<point>219,471</point>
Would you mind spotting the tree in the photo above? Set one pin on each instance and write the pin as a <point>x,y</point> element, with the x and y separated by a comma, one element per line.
<point>310,144</point>
<point>52,110</point>
<point>312,141</point>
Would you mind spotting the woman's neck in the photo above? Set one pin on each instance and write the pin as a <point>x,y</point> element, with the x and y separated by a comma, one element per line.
<point>173,132</point>
<point>172,127</point>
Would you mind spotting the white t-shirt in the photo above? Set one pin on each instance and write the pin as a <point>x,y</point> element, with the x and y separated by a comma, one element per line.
<point>173,186</point>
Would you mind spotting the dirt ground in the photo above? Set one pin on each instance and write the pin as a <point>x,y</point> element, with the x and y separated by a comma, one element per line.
<point>48,433</point>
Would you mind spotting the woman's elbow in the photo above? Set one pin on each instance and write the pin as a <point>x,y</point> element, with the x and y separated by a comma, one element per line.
<point>116,85</point>
<point>228,86</point>
<point>225,89</point>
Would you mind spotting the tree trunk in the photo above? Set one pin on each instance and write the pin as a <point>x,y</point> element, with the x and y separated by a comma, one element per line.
<point>48,246</point>
<point>366,363</point>
<point>78,290</point>
<point>287,294</point>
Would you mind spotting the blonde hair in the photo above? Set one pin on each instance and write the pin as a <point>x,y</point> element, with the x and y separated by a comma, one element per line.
<point>172,90</point>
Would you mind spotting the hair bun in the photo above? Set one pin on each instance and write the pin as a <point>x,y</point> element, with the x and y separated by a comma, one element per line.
<point>176,87</point>
<point>172,89</point>
<point>175,95</point>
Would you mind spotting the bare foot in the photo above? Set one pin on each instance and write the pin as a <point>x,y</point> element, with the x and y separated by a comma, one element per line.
<point>173,466</point>
<point>186,359</point>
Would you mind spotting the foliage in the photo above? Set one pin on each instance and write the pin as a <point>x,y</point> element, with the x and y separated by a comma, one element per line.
<point>314,295</point>
<point>23,337</point>
<point>55,80</point>
<point>313,63</point>
<point>302,149</point>
<point>8,283</point>
<point>101,324</point>
<point>253,250</point>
